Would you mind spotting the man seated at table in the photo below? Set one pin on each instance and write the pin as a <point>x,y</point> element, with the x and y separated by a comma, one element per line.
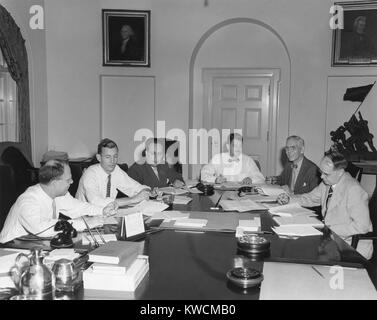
<point>100,183</point>
<point>36,211</point>
<point>155,172</point>
<point>300,174</point>
<point>344,202</point>
<point>232,166</point>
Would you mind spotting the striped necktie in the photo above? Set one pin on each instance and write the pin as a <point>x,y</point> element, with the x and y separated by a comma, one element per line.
<point>108,188</point>
<point>329,195</point>
<point>293,176</point>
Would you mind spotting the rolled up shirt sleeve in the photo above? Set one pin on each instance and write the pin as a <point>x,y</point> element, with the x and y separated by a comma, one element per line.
<point>75,208</point>
<point>310,199</point>
<point>254,173</point>
<point>129,186</point>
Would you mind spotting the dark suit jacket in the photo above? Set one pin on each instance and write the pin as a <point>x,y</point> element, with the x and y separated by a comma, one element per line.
<point>308,177</point>
<point>143,173</point>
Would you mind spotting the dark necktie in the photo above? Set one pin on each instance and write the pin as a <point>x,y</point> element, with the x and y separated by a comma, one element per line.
<point>108,188</point>
<point>329,195</point>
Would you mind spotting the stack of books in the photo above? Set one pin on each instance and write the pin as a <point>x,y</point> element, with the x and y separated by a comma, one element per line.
<point>118,266</point>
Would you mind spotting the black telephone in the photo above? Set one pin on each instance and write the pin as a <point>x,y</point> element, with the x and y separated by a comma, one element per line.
<point>64,238</point>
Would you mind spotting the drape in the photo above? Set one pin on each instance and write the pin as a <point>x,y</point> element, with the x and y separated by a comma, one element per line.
<point>12,46</point>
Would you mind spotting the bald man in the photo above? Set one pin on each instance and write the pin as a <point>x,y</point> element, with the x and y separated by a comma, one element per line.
<point>344,202</point>
<point>36,211</point>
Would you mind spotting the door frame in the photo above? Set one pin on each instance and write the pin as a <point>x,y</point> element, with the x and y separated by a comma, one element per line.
<point>208,76</point>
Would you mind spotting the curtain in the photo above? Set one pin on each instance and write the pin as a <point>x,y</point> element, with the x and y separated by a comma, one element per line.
<point>12,46</point>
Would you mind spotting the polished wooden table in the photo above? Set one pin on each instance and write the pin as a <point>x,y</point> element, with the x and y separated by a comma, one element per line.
<point>193,265</point>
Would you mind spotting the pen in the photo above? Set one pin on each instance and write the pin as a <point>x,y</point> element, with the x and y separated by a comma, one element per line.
<point>318,272</point>
<point>216,207</point>
<point>100,235</point>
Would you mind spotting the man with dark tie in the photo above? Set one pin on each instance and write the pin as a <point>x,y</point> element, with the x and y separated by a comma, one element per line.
<point>100,183</point>
<point>154,171</point>
<point>344,202</point>
<point>300,174</point>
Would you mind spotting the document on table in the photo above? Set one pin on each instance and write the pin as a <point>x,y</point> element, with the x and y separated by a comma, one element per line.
<point>291,281</point>
<point>182,200</point>
<point>291,210</point>
<point>252,225</point>
<point>299,221</point>
<point>195,191</point>
<point>173,190</point>
<point>297,231</point>
<point>191,223</point>
<point>169,215</point>
<point>147,207</point>
<point>242,205</point>
<point>270,190</point>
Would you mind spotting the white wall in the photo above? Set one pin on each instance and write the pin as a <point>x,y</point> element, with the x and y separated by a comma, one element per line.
<point>74,62</point>
<point>36,50</point>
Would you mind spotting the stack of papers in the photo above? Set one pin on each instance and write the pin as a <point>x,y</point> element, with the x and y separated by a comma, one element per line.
<point>299,221</point>
<point>191,223</point>
<point>270,190</point>
<point>182,200</point>
<point>291,210</point>
<point>242,205</point>
<point>297,231</point>
<point>87,239</point>
<point>195,190</point>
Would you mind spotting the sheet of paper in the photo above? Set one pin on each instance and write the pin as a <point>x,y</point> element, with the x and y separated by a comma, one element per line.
<point>192,223</point>
<point>195,191</point>
<point>87,239</point>
<point>298,221</point>
<point>298,231</point>
<point>93,222</point>
<point>145,207</point>
<point>191,182</point>
<point>172,190</point>
<point>291,281</point>
<point>134,224</point>
<point>270,190</point>
<point>182,200</point>
<point>291,210</point>
<point>242,205</point>
<point>169,215</point>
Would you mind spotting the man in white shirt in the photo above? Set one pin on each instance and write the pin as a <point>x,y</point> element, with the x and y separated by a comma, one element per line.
<point>232,166</point>
<point>100,183</point>
<point>344,202</point>
<point>36,211</point>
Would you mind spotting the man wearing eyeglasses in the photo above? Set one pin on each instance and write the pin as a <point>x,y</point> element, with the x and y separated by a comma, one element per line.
<point>36,211</point>
<point>344,202</point>
<point>300,174</point>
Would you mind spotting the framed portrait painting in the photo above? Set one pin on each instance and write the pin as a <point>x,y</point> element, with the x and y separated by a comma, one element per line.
<point>355,44</point>
<point>126,38</point>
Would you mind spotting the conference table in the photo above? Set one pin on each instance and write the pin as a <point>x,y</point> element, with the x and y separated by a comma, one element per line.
<point>186,265</point>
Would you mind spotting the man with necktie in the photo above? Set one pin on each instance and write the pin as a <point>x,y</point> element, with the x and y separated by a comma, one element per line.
<point>36,211</point>
<point>100,183</point>
<point>153,171</point>
<point>232,166</point>
<point>344,202</point>
<point>300,174</point>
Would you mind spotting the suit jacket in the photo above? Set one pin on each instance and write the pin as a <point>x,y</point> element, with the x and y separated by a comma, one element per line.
<point>347,212</point>
<point>307,179</point>
<point>145,174</point>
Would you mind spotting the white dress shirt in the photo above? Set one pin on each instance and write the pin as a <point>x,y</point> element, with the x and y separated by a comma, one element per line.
<point>33,212</point>
<point>93,184</point>
<point>234,170</point>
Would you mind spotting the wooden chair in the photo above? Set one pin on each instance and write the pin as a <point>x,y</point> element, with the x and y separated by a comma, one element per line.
<point>370,235</point>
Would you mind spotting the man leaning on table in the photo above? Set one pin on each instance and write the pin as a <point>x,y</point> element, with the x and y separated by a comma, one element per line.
<point>232,166</point>
<point>300,174</point>
<point>100,183</point>
<point>344,202</point>
<point>36,211</point>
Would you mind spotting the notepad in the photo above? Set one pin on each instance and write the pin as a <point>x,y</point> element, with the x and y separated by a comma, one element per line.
<point>291,210</point>
<point>242,205</point>
<point>297,231</point>
<point>270,190</point>
<point>299,221</point>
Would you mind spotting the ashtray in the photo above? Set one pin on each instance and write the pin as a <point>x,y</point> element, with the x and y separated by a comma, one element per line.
<point>245,277</point>
<point>253,244</point>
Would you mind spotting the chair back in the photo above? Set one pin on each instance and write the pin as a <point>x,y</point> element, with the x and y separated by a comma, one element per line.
<point>7,192</point>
